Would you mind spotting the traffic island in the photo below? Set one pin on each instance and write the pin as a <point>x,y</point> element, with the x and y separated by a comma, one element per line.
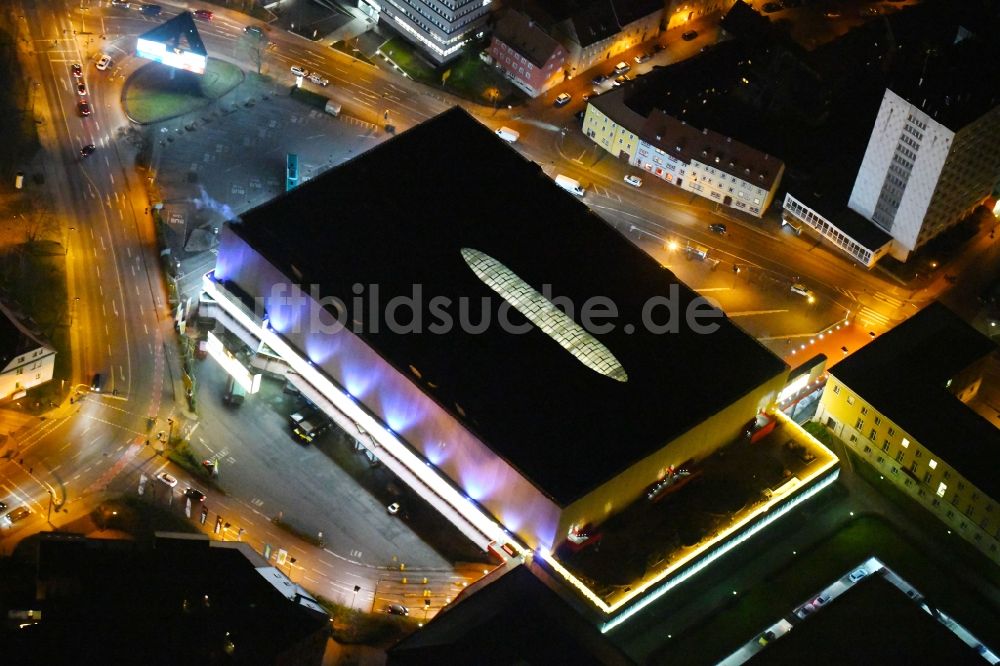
<point>156,93</point>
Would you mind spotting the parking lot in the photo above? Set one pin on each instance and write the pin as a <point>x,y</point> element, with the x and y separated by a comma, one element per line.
<point>329,486</point>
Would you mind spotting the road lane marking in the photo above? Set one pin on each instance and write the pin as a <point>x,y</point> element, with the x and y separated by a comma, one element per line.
<point>750,313</point>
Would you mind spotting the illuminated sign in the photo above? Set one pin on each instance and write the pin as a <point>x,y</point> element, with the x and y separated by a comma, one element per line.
<point>172,57</point>
<point>250,382</point>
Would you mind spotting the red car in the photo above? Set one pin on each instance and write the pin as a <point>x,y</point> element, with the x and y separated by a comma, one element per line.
<point>83,107</point>
<point>203,14</point>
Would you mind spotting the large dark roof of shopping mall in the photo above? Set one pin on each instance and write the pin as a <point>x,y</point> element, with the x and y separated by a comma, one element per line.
<point>401,215</point>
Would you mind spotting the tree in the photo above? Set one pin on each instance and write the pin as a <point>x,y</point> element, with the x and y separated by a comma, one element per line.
<point>38,221</point>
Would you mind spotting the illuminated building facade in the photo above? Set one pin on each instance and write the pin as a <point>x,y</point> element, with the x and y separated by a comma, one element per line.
<point>630,123</point>
<point>439,28</point>
<point>934,150</point>
<point>526,54</point>
<point>25,359</point>
<point>534,431</point>
<point>905,403</point>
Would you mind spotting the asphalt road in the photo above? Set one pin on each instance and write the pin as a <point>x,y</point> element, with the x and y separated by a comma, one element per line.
<point>121,327</point>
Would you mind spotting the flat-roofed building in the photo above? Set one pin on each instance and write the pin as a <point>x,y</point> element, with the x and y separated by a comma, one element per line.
<point>934,150</point>
<point>902,403</point>
<point>551,426</point>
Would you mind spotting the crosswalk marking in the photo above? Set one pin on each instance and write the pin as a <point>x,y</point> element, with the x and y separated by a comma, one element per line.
<point>869,316</point>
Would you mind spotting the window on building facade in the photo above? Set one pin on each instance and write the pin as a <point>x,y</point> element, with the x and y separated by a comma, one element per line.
<point>850,400</point>
<point>878,421</point>
<point>859,424</point>
<point>933,464</point>
<point>942,487</point>
<point>899,457</point>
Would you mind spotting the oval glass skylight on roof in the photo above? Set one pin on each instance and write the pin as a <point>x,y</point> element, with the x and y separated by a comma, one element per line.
<point>544,314</point>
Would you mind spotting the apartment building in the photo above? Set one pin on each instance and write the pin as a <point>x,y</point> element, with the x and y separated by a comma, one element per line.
<point>25,359</point>
<point>934,150</point>
<point>909,404</point>
<point>526,54</point>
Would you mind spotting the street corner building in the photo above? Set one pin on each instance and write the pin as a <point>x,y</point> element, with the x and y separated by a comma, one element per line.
<point>518,437</point>
<point>916,405</point>
<point>26,359</point>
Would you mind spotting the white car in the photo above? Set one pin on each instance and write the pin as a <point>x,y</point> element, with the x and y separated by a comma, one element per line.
<point>634,181</point>
<point>319,80</point>
<point>104,62</point>
<point>858,574</point>
<point>165,478</point>
<point>801,290</point>
<point>393,508</point>
<point>563,99</point>
<point>298,71</point>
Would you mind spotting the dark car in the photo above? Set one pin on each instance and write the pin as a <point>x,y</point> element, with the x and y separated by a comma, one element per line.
<point>3,505</point>
<point>397,609</point>
<point>151,10</point>
<point>83,106</point>
<point>203,14</point>
<point>599,79</point>
<point>76,69</point>
<point>88,150</point>
<point>254,31</point>
<point>195,495</point>
<point>689,35</point>
<point>717,228</point>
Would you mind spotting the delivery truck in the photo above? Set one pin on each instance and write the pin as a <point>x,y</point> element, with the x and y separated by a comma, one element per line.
<point>570,185</point>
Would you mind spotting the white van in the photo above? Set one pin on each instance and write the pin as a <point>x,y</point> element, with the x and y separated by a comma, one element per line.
<point>332,108</point>
<point>507,134</point>
<point>570,185</point>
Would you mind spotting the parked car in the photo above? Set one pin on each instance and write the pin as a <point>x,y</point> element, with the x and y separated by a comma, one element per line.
<point>621,79</point>
<point>563,99</point>
<point>104,62</point>
<point>124,4</point>
<point>319,80</point>
<point>622,67</point>
<point>642,57</point>
<point>718,228</point>
<point>254,31</point>
<point>81,88</point>
<point>634,181</point>
<point>299,71</point>
<point>3,506</point>
<point>76,69</point>
<point>766,638</point>
<point>599,79</point>
<point>393,508</point>
<point>689,35</point>
<point>97,382</point>
<point>858,574</point>
<point>195,495</point>
<point>88,150</point>
<point>204,14</point>
<point>165,478</point>
<point>151,10</point>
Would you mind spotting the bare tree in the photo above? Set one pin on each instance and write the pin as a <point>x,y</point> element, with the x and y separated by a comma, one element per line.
<point>38,221</point>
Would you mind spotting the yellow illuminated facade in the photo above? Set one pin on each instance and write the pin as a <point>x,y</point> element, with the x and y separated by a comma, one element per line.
<point>901,459</point>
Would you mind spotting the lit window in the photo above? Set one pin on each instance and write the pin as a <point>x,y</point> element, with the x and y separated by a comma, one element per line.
<point>942,489</point>
<point>906,442</point>
<point>932,464</point>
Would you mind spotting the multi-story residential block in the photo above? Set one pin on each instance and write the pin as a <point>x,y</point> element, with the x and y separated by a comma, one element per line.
<point>26,360</point>
<point>934,150</point>
<point>595,31</point>
<point>438,27</point>
<point>527,55</point>
<point>907,405</point>
<point>632,122</point>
